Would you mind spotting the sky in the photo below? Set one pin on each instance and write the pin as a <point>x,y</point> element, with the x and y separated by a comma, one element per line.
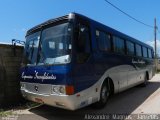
<point>18,16</point>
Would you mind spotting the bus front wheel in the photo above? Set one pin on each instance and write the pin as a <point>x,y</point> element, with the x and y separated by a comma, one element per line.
<point>104,95</point>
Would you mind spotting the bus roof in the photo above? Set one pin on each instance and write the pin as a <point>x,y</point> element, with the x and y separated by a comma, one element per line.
<point>98,25</point>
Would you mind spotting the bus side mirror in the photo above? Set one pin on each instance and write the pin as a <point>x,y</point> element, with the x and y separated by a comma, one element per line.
<point>14,41</point>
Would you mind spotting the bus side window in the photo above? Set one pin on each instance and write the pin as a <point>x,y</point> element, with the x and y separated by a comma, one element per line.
<point>119,46</point>
<point>103,40</point>
<point>138,50</point>
<point>150,53</point>
<point>130,48</point>
<point>145,52</point>
<point>83,44</point>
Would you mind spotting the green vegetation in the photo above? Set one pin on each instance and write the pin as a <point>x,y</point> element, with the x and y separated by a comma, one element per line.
<point>10,111</point>
<point>4,113</point>
<point>158,71</point>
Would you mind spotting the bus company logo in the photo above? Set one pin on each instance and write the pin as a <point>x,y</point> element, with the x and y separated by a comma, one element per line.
<point>45,76</point>
<point>26,76</point>
<point>138,61</point>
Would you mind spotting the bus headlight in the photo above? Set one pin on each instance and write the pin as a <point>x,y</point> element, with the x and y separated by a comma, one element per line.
<point>62,90</point>
<point>58,89</point>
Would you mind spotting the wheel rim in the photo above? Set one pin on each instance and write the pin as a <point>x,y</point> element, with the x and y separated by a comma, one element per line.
<point>105,94</point>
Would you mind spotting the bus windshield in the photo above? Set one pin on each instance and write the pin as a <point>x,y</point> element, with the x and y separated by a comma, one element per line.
<point>51,46</point>
<point>31,49</point>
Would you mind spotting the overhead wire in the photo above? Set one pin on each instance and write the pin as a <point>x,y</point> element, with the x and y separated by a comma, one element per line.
<point>131,17</point>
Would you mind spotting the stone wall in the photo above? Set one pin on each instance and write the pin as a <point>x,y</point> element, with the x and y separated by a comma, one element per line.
<point>10,60</point>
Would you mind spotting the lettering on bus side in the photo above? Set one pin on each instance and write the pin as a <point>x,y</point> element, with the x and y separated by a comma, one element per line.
<point>45,76</point>
<point>138,61</point>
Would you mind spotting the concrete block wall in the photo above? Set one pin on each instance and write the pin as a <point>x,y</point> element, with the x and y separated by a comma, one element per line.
<point>10,61</point>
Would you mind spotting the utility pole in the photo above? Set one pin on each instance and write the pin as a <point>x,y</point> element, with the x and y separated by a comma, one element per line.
<point>155,39</point>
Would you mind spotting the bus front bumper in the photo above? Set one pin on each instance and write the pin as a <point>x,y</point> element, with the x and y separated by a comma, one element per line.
<point>61,101</point>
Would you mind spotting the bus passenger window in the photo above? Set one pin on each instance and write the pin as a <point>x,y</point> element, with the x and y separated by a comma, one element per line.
<point>138,50</point>
<point>118,45</point>
<point>103,40</point>
<point>149,53</point>
<point>130,48</point>
<point>145,52</point>
<point>152,53</point>
<point>83,44</point>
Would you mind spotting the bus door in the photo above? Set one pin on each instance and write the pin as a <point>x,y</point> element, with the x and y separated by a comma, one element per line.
<point>83,75</point>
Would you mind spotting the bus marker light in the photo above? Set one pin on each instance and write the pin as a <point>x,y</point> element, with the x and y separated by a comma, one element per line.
<point>78,95</point>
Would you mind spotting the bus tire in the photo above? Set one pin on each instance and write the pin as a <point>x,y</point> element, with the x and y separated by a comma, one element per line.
<point>104,95</point>
<point>144,84</point>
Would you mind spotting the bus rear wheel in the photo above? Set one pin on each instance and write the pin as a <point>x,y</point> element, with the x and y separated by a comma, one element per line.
<point>104,95</point>
<point>144,84</point>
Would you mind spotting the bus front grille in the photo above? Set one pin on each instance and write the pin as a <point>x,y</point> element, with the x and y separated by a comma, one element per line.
<point>38,88</point>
